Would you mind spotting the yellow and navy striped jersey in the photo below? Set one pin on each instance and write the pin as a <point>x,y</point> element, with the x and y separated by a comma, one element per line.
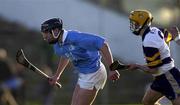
<point>156,50</point>
<point>172,34</point>
<point>167,35</point>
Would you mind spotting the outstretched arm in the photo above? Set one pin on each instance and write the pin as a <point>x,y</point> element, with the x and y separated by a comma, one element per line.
<point>143,68</point>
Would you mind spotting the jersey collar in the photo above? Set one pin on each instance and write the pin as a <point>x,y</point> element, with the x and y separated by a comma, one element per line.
<point>64,35</point>
<point>145,32</point>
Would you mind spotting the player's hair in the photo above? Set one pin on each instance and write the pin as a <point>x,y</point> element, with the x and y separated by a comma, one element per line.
<point>51,24</point>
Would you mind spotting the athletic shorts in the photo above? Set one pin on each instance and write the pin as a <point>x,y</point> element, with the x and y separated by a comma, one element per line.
<point>163,101</point>
<point>168,84</point>
<point>91,80</point>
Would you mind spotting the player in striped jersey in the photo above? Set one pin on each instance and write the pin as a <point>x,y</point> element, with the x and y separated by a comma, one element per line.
<point>158,58</point>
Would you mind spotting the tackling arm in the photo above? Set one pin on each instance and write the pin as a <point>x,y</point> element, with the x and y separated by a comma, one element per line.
<point>143,68</point>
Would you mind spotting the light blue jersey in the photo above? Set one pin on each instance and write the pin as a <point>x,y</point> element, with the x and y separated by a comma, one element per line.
<point>82,49</point>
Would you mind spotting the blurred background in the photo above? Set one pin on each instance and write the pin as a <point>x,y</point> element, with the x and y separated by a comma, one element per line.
<point>20,22</point>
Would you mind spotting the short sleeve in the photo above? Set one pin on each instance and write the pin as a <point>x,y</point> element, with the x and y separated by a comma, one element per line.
<point>91,42</point>
<point>154,40</point>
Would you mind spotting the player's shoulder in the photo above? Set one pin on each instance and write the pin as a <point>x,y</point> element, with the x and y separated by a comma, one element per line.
<point>153,38</point>
<point>73,34</point>
<point>76,33</point>
<point>73,31</point>
<point>156,31</point>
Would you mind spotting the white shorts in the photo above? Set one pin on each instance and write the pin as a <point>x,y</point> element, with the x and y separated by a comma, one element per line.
<point>163,101</point>
<point>96,79</point>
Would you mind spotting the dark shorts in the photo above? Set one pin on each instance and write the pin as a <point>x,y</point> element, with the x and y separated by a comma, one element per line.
<point>168,84</point>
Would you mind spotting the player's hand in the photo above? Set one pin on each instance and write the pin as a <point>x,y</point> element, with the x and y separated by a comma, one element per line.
<point>53,80</point>
<point>114,75</point>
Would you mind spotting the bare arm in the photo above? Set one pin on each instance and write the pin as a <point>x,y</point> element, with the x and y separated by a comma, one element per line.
<point>143,68</point>
<point>175,34</point>
<point>61,66</point>
<point>106,53</point>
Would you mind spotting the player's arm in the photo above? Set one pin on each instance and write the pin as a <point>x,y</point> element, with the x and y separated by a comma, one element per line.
<point>61,66</point>
<point>153,61</point>
<point>167,35</point>
<point>174,31</point>
<point>143,68</point>
<point>171,34</point>
<point>107,55</point>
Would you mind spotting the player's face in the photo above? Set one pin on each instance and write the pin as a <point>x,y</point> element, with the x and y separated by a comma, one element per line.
<point>48,37</point>
<point>134,26</point>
